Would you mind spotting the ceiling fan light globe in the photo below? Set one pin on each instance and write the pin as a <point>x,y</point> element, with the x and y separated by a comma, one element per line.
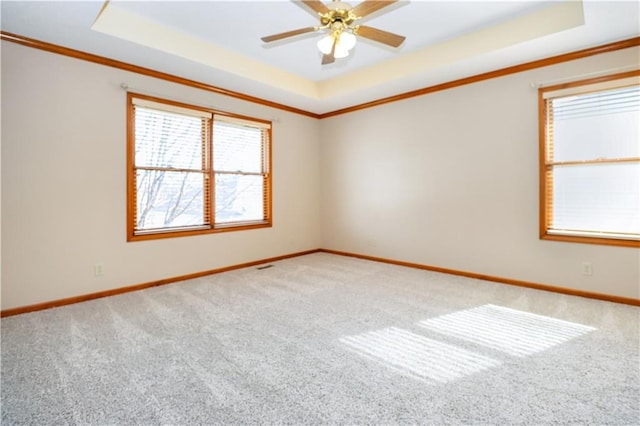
<point>347,41</point>
<point>340,53</point>
<point>325,44</point>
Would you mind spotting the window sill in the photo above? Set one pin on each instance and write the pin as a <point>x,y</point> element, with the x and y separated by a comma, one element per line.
<point>590,240</point>
<point>228,227</point>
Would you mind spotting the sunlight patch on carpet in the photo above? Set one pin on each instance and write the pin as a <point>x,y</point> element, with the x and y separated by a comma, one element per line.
<point>418,356</point>
<point>508,330</point>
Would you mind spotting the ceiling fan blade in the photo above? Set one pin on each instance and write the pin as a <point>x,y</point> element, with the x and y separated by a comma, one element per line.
<point>369,6</point>
<point>330,57</point>
<point>280,36</point>
<point>316,5</point>
<point>384,37</point>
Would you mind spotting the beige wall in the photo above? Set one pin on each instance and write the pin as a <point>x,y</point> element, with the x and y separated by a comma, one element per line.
<point>64,183</point>
<point>450,179</point>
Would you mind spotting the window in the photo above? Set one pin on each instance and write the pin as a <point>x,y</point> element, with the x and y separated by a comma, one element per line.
<point>590,161</point>
<point>193,170</point>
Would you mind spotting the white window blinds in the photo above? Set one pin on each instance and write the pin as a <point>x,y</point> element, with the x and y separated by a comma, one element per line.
<point>240,165</point>
<point>592,162</point>
<point>193,170</point>
<point>170,168</point>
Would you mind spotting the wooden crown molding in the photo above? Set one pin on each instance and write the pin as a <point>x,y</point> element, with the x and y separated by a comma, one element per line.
<point>584,53</point>
<point>65,51</point>
<point>61,50</point>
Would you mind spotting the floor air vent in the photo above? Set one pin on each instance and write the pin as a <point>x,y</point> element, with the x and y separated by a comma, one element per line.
<point>264,267</point>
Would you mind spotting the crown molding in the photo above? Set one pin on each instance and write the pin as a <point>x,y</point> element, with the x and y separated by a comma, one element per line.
<point>90,57</point>
<point>566,57</point>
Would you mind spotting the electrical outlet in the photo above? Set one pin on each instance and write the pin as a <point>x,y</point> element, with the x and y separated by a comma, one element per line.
<point>587,269</point>
<point>98,269</point>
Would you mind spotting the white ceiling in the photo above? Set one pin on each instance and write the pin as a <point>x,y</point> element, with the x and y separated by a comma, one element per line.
<point>218,42</point>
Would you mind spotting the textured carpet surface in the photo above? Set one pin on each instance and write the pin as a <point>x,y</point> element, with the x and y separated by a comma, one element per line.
<point>325,339</point>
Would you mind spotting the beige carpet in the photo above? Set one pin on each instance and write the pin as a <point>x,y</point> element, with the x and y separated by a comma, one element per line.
<point>325,339</point>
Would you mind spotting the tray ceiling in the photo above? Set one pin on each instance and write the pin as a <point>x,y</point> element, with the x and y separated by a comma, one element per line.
<point>218,42</point>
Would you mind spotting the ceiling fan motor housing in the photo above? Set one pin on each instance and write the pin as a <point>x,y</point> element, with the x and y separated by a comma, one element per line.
<point>339,12</point>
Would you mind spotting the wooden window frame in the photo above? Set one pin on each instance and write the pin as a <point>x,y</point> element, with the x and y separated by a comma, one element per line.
<point>546,179</point>
<point>209,185</point>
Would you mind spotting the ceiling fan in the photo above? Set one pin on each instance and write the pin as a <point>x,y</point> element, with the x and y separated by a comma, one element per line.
<point>338,17</point>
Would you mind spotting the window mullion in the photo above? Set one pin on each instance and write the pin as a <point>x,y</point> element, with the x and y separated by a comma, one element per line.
<point>207,158</point>
<point>238,172</point>
<point>596,161</point>
<point>169,169</point>
<point>549,165</point>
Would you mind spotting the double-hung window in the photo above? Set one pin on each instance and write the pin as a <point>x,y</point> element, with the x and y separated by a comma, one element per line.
<point>590,161</point>
<point>193,170</point>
